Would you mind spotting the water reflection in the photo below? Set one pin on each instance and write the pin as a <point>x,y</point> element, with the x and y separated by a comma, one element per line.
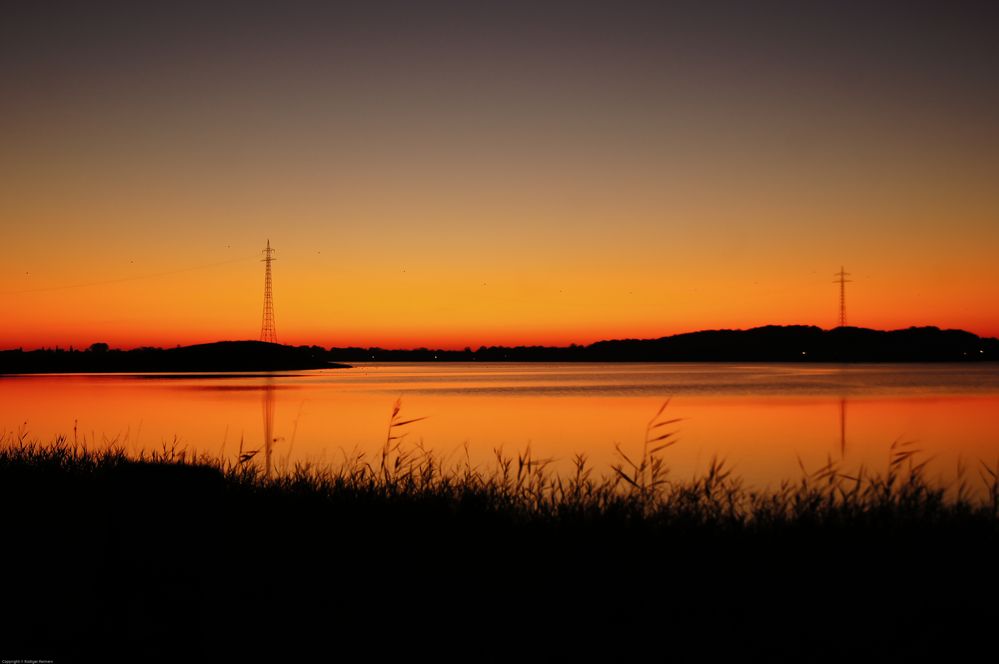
<point>842,427</point>
<point>760,418</point>
<point>267,406</point>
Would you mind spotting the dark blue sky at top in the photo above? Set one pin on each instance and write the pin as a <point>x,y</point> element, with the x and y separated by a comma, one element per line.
<point>922,48</point>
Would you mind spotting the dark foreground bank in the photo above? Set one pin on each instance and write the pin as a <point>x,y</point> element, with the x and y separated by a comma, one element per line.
<point>110,559</point>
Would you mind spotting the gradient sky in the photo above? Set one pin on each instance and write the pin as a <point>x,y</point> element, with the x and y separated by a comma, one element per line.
<point>451,174</point>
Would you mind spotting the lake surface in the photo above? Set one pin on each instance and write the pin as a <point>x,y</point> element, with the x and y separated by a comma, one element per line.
<point>760,418</point>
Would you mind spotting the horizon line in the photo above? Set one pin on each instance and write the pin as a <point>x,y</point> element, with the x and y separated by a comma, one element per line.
<point>461,348</point>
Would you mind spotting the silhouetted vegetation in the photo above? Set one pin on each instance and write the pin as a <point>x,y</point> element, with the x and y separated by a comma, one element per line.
<point>219,356</point>
<point>762,344</point>
<point>796,343</point>
<point>171,553</point>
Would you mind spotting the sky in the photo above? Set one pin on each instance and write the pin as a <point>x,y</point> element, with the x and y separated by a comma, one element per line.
<point>463,174</point>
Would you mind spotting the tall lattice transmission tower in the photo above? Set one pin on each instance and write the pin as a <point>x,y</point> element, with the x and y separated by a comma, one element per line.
<point>267,331</point>
<point>841,279</point>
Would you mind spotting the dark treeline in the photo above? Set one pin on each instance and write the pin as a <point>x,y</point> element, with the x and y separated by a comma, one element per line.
<point>797,343</point>
<point>220,356</point>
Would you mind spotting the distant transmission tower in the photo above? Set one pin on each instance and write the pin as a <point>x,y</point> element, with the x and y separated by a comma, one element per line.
<point>842,281</point>
<point>267,331</point>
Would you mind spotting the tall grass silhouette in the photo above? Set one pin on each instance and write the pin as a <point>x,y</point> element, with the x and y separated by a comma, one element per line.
<point>524,487</point>
<point>173,551</point>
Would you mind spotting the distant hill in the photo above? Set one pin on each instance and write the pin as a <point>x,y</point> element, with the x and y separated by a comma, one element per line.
<point>808,343</point>
<point>793,343</point>
<point>219,356</point>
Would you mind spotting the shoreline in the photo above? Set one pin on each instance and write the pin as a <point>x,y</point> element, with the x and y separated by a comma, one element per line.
<point>792,344</point>
<point>172,556</point>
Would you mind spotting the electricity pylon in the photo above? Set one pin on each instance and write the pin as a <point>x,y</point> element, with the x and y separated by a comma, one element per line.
<point>841,280</point>
<point>267,331</point>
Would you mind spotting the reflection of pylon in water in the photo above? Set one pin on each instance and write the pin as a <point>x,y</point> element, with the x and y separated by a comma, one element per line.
<point>268,409</point>
<point>267,331</point>
<point>842,426</point>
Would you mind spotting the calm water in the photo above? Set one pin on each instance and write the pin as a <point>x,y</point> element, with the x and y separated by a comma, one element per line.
<point>760,418</point>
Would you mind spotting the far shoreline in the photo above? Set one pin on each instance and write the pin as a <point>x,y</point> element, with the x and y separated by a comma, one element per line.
<point>794,344</point>
<point>218,357</point>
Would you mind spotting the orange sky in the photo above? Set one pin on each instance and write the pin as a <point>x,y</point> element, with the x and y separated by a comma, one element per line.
<point>467,179</point>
